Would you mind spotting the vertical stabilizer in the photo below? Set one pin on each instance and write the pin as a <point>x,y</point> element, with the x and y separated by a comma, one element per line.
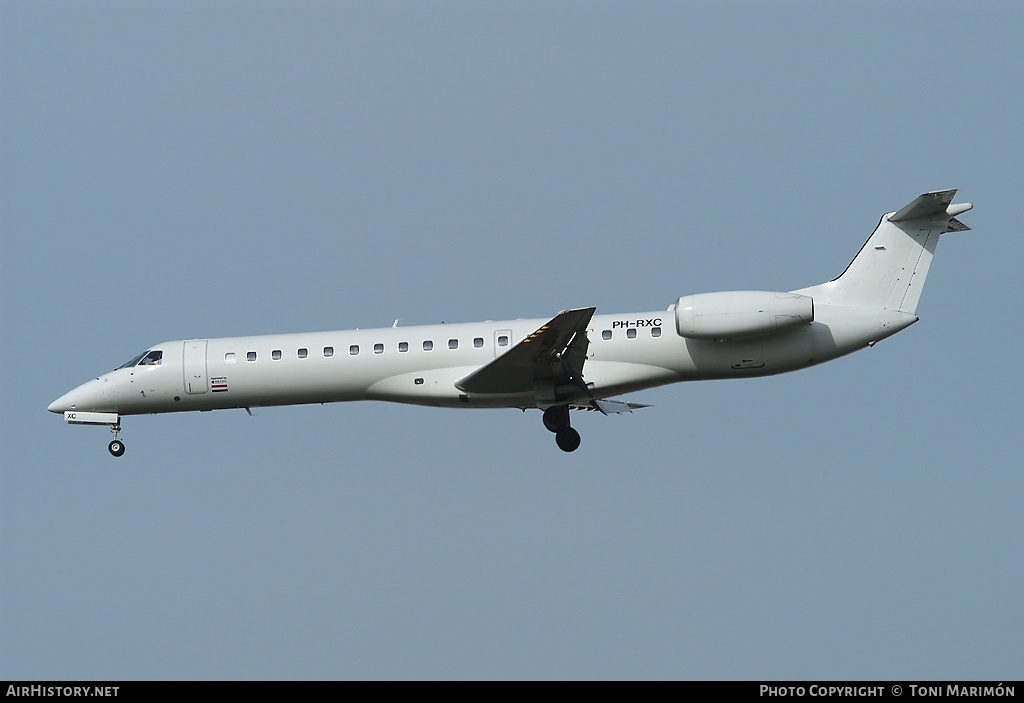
<point>890,270</point>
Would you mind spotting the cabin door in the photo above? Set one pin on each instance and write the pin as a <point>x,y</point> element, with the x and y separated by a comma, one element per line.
<point>194,367</point>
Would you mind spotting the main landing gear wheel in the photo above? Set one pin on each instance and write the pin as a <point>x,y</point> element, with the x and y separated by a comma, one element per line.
<point>567,439</point>
<point>556,417</point>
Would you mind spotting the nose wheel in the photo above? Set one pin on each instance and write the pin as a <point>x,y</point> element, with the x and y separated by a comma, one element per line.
<point>556,419</point>
<point>116,446</point>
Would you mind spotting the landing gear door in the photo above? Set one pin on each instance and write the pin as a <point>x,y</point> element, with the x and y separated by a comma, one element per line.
<point>194,367</point>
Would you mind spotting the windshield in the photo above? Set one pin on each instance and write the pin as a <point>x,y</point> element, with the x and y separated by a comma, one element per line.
<point>146,358</point>
<point>135,360</point>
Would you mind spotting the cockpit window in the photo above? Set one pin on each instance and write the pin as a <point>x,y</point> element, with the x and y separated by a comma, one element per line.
<point>146,358</point>
<point>134,361</point>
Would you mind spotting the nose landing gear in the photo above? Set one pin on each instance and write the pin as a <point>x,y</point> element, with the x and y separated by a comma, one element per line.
<point>556,419</point>
<point>116,446</point>
<point>113,420</point>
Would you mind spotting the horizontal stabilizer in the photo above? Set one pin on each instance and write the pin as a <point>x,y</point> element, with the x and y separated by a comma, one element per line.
<point>933,205</point>
<point>956,225</point>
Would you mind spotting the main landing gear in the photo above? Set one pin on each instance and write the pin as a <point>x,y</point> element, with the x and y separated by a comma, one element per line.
<point>116,446</point>
<point>556,419</point>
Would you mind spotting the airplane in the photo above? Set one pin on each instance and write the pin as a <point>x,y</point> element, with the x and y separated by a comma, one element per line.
<point>577,360</point>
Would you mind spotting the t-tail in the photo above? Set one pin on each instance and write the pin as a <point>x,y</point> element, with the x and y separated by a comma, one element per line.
<point>889,271</point>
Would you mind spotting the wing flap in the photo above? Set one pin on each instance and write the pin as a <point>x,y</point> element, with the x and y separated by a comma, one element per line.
<point>615,407</point>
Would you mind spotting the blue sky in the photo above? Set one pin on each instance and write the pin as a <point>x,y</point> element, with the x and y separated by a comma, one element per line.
<point>179,170</point>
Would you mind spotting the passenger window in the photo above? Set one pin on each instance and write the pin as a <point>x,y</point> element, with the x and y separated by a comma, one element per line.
<point>655,331</point>
<point>378,348</point>
<point>403,346</point>
<point>478,342</point>
<point>276,355</point>
<point>453,344</point>
<point>353,350</point>
<point>428,345</point>
<point>328,351</point>
<point>607,334</point>
<point>503,340</point>
<point>229,358</point>
<point>631,333</point>
<point>250,356</point>
<point>303,353</point>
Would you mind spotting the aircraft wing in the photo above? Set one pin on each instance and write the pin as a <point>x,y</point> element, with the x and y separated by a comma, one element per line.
<point>555,353</point>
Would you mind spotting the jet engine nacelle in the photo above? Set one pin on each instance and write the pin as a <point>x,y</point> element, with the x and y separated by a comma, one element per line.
<point>742,313</point>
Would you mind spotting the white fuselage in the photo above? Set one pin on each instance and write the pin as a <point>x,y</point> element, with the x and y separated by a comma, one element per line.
<point>575,359</point>
<point>422,364</point>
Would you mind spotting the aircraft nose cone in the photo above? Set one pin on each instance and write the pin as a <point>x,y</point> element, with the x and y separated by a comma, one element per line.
<point>59,405</point>
<point>88,396</point>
